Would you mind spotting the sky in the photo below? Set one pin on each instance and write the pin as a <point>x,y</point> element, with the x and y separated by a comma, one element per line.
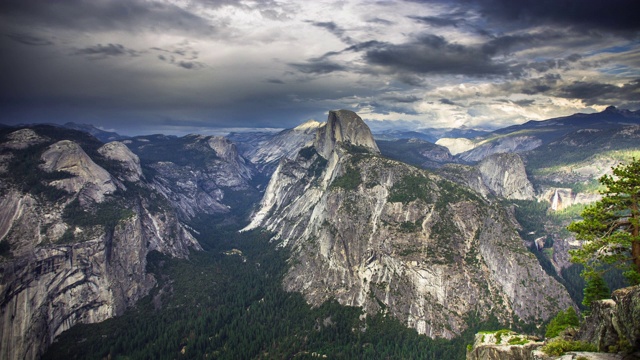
<point>187,66</point>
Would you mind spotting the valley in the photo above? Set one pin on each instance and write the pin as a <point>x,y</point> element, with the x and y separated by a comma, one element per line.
<point>320,240</point>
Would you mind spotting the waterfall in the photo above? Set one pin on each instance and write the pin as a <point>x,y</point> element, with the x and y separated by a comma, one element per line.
<point>554,201</point>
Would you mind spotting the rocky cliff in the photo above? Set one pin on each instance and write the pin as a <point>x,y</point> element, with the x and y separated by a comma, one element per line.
<point>74,236</point>
<point>501,175</point>
<point>198,174</point>
<point>267,152</point>
<point>381,234</point>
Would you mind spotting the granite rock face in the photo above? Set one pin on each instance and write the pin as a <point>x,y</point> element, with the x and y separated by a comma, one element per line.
<point>118,151</point>
<point>378,233</point>
<point>267,152</point>
<point>201,176</point>
<point>346,127</point>
<point>57,270</point>
<point>511,144</point>
<point>504,174</point>
<point>501,175</point>
<point>66,155</point>
<point>614,322</point>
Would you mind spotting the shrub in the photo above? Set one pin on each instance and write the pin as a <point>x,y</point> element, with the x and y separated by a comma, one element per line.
<point>559,346</point>
<point>562,321</point>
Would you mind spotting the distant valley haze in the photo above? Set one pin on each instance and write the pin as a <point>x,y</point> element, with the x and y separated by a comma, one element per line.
<point>178,67</point>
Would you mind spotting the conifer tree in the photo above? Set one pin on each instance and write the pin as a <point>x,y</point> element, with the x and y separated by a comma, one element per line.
<point>611,230</point>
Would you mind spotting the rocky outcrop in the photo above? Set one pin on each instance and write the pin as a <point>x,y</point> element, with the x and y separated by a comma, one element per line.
<point>501,175</point>
<point>94,181</point>
<point>613,324</point>
<point>346,127</point>
<point>509,144</point>
<point>60,270</point>
<point>267,152</point>
<point>22,139</point>
<point>129,161</point>
<point>380,234</point>
<point>503,345</point>
<point>201,176</point>
<point>505,175</point>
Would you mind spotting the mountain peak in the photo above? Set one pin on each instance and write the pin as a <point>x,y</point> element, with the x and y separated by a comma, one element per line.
<point>344,126</point>
<point>309,124</point>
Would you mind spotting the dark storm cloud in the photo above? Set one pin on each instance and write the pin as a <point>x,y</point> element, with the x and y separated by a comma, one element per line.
<point>334,29</point>
<point>611,15</point>
<point>602,94</point>
<point>434,54</point>
<point>275,81</point>
<point>102,51</point>
<point>318,67</point>
<point>129,15</point>
<point>508,43</point>
<point>28,39</point>
<point>524,103</point>
<point>437,20</point>
<point>447,102</point>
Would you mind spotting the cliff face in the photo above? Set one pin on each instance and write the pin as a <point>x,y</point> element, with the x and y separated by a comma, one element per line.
<point>266,153</point>
<point>505,175</point>
<point>74,238</point>
<point>197,174</point>
<point>381,234</point>
<point>501,175</point>
<point>613,323</point>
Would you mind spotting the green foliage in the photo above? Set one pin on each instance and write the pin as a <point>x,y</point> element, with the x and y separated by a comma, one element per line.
<point>410,188</point>
<point>25,171</point>
<point>307,152</point>
<point>595,289</point>
<point>217,306</point>
<point>516,340</point>
<point>559,347</point>
<point>562,321</point>
<point>350,180</point>
<point>184,151</point>
<point>107,213</point>
<point>611,229</point>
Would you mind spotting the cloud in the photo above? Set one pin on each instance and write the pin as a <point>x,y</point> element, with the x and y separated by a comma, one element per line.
<point>131,15</point>
<point>407,99</point>
<point>275,81</point>
<point>333,28</point>
<point>319,67</point>
<point>432,54</point>
<point>102,51</point>
<point>447,102</point>
<point>28,39</point>
<point>611,15</point>
<point>594,93</point>
<point>438,20</point>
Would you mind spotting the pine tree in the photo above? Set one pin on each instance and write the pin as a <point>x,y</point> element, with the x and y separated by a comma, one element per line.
<point>595,289</point>
<point>611,230</point>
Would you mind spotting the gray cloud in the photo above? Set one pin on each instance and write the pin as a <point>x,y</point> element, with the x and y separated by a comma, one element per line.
<point>612,15</point>
<point>434,54</point>
<point>447,102</point>
<point>438,20</point>
<point>594,93</point>
<point>28,39</point>
<point>131,15</point>
<point>333,28</point>
<point>401,99</point>
<point>319,67</point>
<point>102,51</point>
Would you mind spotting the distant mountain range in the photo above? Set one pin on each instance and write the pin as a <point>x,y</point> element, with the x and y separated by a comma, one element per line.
<point>361,220</point>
